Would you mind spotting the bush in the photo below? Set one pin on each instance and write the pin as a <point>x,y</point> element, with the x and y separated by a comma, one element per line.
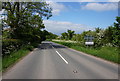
<point>106,52</point>
<point>35,45</point>
<point>29,47</point>
<point>10,45</point>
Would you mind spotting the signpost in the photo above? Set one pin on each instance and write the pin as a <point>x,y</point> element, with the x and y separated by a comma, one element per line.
<point>89,40</point>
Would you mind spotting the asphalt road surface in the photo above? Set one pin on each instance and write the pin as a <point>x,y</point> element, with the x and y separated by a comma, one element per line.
<point>54,61</point>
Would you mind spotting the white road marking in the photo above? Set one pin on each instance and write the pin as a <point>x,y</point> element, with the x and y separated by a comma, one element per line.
<point>62,57</point>
<point>59,54</point>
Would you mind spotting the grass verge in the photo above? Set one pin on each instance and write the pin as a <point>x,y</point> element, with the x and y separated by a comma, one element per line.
<point>107,53</point>
<point>14,57</point>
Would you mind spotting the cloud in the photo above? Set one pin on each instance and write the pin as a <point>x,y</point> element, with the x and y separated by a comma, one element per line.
<point>57,7</point>
<point>86,0</point>
<point>100,7</point>
<point>59,27</point>
<point>113,0</point>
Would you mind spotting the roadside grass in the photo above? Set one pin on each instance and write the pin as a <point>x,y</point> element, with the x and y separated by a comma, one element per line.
<point>8,60</point>
<point>107,53</point>
<point>0,65</point>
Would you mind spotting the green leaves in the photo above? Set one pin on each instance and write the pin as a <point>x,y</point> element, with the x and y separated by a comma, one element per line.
<point>102,37</point>
<point>10,45</point>
<point>116,32</point>
<point>112,34</point>
<point>68,35</point>
<point>26,19</point>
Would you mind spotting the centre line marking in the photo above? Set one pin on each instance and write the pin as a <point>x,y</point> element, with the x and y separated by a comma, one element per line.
<point>59,54</point>
<point>62,57</point>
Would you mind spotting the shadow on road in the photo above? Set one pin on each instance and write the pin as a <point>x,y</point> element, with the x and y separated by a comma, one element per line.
<point>44,46</point>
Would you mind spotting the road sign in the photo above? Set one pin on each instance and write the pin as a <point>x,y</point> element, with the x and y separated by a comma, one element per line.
<point>89,40</point>
<point>89,43</point>
<point>88,37</point>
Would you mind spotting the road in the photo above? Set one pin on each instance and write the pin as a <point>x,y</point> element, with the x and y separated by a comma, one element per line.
<point>54,61</point>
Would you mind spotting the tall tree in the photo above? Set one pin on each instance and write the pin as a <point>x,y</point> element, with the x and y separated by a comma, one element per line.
<point>64,36</point>
<point>116,32</point>
<point>26,17</point>
<point>97,29</point>
<point>108,35</point>
<point>70,34</point>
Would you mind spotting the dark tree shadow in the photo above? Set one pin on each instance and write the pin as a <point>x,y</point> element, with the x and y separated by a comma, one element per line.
<point>44,46</point>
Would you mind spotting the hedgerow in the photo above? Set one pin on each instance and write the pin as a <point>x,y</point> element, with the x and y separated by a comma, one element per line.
<point>10,45</point>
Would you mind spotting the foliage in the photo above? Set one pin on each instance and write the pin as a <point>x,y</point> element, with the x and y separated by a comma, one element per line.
<point>102,37</point>
<point>13,57</point>
<point>10,45</point>
<point>35,44</point>
<point>112,34</point>
<point>26,19</point>
<point>108,35</point>
<point>68,35</point>
<point>116,32</point>
<point>6,34</point>
<point>29,47</point>
<point>64,36</point>
<point>49,35</point>
<point>105,52</point>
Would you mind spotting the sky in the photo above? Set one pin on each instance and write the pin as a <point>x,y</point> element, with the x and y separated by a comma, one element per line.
<point>80,16</point>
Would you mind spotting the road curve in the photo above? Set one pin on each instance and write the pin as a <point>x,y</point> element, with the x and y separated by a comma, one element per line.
<point>54,61</point>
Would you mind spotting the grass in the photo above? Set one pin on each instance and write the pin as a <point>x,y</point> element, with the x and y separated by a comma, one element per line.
<point>13,57</point>
<point>107,53</point>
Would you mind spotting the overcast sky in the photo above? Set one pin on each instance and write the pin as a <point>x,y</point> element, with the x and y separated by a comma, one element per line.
<point>81,16</point>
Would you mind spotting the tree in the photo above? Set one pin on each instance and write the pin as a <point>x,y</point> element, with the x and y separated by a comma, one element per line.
<point>64,36</point>
<point>51,36</point>
<point>26,18</point>
<point>97,30</point>
<point>108,35</point>
<point>70,34</point>
<point>116,32</point>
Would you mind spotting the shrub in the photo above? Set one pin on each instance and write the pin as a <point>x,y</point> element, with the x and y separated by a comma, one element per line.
<point>35,45</point>
<point>29,47</point>
<point>10,45</point>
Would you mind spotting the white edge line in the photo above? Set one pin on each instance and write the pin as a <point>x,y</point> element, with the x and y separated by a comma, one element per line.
<point>62,57</point>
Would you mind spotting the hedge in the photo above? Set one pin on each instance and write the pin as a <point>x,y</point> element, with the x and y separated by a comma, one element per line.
<point>10,45</point>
